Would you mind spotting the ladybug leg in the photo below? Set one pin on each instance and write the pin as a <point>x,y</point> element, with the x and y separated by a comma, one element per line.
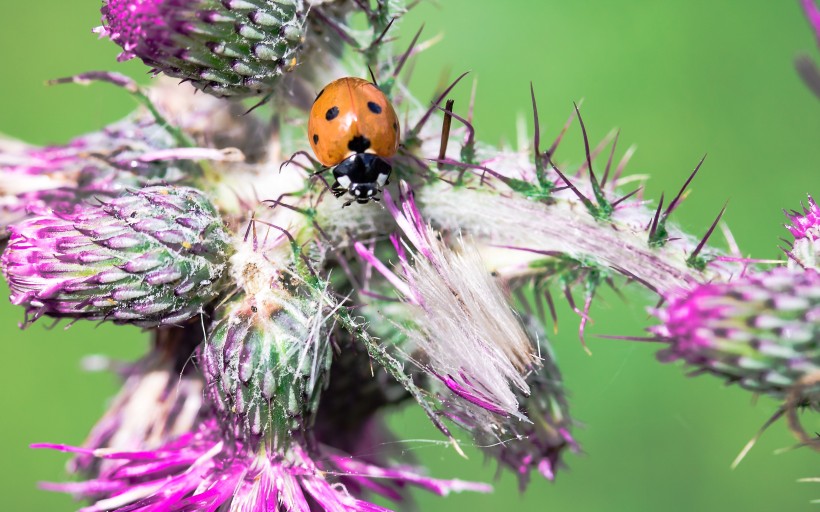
<point>337,190</point>
<point>315,163</point>
<point>348,203</point>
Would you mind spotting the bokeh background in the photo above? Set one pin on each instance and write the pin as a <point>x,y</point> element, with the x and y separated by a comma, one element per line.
<point>679,79</point>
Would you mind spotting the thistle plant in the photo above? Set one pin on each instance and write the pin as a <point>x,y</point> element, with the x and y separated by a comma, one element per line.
<point>208,222</point>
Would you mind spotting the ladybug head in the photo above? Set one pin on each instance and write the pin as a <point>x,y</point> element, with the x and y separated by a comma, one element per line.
<point>362,175</point>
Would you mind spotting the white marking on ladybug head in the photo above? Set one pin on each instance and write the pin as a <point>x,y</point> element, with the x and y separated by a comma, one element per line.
<point>357,192</point>
<point>381,179</point>
<point>344,181</point>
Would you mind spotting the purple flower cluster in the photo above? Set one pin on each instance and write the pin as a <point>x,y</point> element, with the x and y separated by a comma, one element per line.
<point>285,325</point>
<point>98,165</point>
<point>211,469</point>
<point>228,48</point>
<point>807,223</point>
<point>760,331</point>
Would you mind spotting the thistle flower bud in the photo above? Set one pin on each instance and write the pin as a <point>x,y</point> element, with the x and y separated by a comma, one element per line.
<point>805,227</point>
<point>761,331</point>
<point>267,351</point>
<point>265,361</point>
<point>150,257</point>
<point>225,48</point>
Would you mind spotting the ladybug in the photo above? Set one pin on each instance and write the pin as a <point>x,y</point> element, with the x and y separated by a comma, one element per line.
<point>354,129</point>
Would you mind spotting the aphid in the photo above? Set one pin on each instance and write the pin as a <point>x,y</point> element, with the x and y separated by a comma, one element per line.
<point>354,129</point>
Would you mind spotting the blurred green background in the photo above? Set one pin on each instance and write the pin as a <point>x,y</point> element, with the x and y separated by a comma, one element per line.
<point>679,78</point>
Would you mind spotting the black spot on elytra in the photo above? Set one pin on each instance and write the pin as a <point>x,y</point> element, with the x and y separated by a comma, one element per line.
<point>359,144</point>
<point>315,139</point>
<point>331,113</point>
<point>374,107</point>
<point>395,126</point>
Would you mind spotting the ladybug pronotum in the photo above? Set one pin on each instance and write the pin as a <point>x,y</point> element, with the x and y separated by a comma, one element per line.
<point>354,129</point>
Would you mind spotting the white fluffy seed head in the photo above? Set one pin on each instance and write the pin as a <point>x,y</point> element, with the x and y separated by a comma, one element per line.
<point>470,333</point>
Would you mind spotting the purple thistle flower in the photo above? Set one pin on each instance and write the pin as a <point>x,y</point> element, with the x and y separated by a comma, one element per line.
<point>150,257</point>
<point>226,48</point>
<point>161,399</point>
<point>760,331</point>
<point>101,164</point>
<point>805,227</point>
<point>283,410</point>
<point>807,224</point>
<point>213,469</point>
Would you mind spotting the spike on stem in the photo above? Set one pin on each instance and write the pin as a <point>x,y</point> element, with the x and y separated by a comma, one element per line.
<point>625,197</point>
<point>536,143</point>
<point>136,92</point>
<point>336,27</point>
<point>657,237</point>
<point>693,260</point>
<point>407,53</point>
<point>604,209</point>
<point>416,129</point>
<point>589,204</point>
<point>597,150</point>
<point>587,152</point>
<point>609,160</point>
<point>384,33</point>
<point>675,202</point>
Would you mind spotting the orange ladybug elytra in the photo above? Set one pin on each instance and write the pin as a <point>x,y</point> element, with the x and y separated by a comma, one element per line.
<point>353,127</point>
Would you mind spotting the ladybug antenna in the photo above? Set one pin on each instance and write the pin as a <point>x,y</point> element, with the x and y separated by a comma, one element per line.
<point>372,76</point>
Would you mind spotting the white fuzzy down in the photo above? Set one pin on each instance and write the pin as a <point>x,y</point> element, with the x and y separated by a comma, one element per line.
<point>469,328</point>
